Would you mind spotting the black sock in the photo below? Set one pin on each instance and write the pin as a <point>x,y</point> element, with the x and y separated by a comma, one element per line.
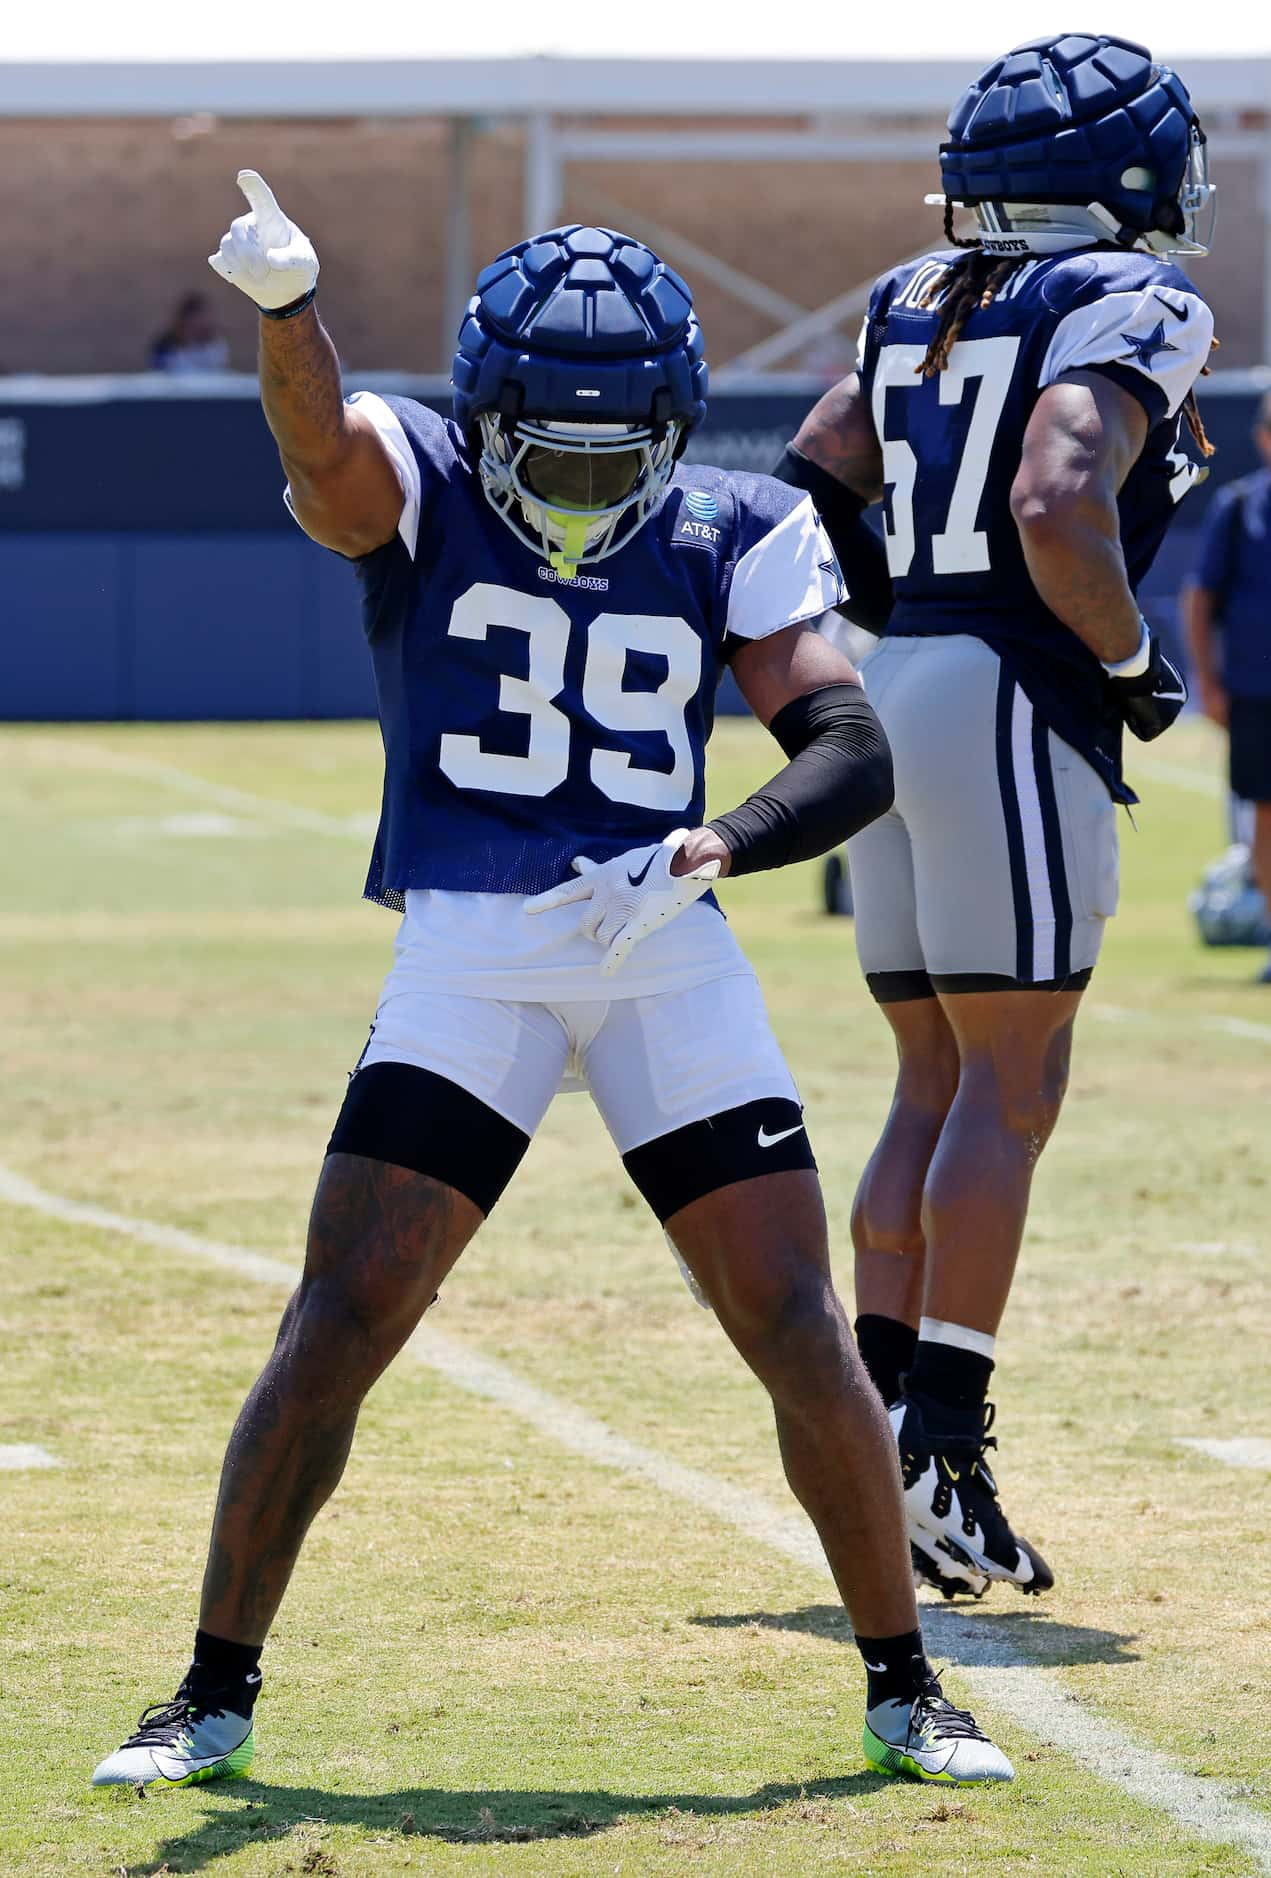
<point>887,1350</point>
<point>897,1667</point>
<point>956,1379</point>
<point>219,1664</point>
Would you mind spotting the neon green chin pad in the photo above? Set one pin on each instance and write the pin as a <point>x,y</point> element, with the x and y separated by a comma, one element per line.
<point>574,522</point>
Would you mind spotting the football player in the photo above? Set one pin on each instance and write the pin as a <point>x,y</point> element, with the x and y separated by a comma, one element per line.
<point>549,595</point>
<point>1018,406</point>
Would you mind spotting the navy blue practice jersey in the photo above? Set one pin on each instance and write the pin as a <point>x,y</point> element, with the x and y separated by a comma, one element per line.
<point>526,718</point>
<point>951,447</point>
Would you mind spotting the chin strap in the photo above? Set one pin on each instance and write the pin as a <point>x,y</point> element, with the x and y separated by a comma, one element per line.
<point>564,560</point>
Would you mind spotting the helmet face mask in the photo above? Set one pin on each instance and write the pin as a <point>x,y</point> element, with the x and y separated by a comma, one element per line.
<point>574,493</point>
<point>1076,140</point>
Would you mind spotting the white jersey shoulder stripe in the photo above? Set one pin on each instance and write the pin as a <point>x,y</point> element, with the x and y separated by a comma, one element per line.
<point>788,576</point>
<point>1160,331</point>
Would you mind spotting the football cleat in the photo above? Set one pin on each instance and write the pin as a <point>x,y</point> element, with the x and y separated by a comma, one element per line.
<point>195,1737</point>
<point>929,1739</point>
<point>951,1501</point>
<point>936,1569</point>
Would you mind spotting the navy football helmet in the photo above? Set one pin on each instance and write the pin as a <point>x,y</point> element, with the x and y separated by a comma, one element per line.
<point>579,375</point>
<point>1077,139</point>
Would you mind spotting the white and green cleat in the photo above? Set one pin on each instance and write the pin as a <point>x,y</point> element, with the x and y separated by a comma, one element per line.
<point>181,1742</point>
<point>929,1739</point>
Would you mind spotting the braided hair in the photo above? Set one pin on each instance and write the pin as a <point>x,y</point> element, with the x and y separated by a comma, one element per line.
<point>974,280</point>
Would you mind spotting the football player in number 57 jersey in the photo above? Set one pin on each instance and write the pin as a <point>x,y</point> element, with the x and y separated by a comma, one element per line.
<point>1023,406</point>
<point>549,597</point>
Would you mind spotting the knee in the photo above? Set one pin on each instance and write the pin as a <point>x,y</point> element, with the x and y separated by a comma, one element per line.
<point>336,1337</point>
<point>887,1222</point>
<point>1023,1091</point>
<point>791,1325</point>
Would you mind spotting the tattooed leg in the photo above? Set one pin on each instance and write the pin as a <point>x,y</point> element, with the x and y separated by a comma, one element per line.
<point>381,1239</point>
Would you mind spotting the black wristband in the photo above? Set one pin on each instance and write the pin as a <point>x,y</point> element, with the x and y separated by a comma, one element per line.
<point>861,554</point>
<point>838,780</point>
<point>288,312</point>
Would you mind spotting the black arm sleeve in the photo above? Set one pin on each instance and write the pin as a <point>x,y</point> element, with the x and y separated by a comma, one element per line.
<point>838,780</point>
<point>861,554</point>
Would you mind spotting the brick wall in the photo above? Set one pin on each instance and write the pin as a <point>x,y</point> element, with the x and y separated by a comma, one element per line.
<point>104,224</point>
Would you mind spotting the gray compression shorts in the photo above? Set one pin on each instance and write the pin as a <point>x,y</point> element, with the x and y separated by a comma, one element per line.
<point>997,868</point>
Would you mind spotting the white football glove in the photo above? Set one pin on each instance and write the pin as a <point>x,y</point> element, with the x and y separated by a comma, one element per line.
<point>629,897</point>
<point>264,254</point>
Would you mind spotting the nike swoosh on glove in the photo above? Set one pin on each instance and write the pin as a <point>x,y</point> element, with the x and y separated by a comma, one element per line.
<point>626,899</point>
<point>1151,701</point>
<point>262,253</point>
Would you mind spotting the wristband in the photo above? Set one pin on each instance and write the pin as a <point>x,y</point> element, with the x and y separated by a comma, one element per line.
<point>1138,661</point>
<point>288,312</point>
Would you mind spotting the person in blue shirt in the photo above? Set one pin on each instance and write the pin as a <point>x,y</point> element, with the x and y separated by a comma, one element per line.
<point>549,596</point>
<point>1024,409</point>
<point>1227,612</point>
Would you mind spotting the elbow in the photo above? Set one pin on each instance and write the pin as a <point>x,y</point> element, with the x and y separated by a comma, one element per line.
<point>1053,517</point>
<point>879,790</point>
<point>873,788</point>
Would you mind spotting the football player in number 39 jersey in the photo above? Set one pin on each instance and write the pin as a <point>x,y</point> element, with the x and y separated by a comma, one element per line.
<point>1023,406</point>
<point>549,598</point>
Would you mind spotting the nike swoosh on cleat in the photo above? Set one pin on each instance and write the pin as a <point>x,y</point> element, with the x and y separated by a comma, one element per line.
<point>770,1141</point>
<point>637,880</point>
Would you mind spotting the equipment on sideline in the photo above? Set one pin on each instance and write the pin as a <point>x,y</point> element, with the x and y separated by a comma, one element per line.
<point>1088,124</point>
<point>579,375</point>
<point>1228,907</point>
<point>265,255</point>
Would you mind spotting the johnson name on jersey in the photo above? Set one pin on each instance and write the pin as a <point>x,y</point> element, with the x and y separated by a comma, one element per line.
<point>527,718</point>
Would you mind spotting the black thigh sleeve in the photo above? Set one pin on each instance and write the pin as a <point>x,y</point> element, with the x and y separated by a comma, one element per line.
<point>764,1137</point>
<point>414,1118</point>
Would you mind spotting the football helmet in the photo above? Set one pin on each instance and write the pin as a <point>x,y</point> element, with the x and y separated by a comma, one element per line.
<point>579,375</point>
<point>1078,139</point>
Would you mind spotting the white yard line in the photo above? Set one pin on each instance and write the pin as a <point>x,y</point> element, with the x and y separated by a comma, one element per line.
<point>203,789</point>
<point>21,1455</point>
<point>986,1650</point>
<point>1208,1020</point>
<point>1239,1451</point>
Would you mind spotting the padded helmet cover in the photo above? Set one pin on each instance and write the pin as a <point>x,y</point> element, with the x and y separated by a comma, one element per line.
<point>585,325</point>
<point>1076,119</point>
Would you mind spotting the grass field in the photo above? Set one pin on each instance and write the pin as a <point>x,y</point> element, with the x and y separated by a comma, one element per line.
<point>499,1655</point>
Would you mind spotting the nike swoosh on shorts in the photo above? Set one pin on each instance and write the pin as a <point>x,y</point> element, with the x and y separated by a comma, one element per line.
<point>770,1141</point>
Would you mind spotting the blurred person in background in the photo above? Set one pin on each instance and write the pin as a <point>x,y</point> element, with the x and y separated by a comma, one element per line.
<point>192,341</point>
<point>1020,407</point>
<point>1227,614</point>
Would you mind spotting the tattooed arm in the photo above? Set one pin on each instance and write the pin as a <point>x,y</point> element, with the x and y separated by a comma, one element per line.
<point>836,457</point>
<point>838,435</point>
<point>344,489</point>
<point>1083,438</point>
